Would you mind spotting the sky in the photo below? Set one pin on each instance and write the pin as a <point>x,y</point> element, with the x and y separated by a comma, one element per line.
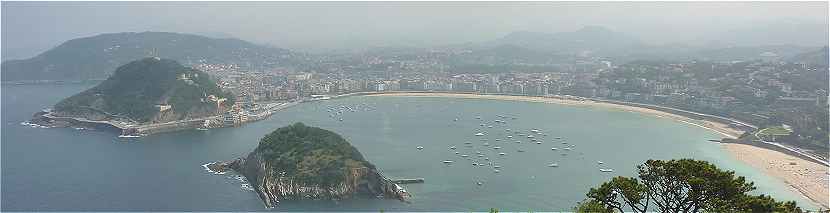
<point>29,28</point>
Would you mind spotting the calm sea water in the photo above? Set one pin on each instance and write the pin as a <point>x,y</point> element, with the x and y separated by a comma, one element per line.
<point>68,169</point>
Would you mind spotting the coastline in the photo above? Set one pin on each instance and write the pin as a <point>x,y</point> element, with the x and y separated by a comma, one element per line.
<point>803,177</point>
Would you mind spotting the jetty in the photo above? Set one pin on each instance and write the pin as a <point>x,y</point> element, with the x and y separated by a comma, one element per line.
<point>408,180</point>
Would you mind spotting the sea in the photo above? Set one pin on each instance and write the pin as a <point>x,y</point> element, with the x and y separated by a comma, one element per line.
<point>51,169</point>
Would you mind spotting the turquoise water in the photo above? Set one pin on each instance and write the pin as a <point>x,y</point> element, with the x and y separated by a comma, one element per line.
<point>67,169</point>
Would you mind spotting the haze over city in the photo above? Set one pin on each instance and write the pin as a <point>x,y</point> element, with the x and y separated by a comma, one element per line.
<point>415,106</point>
<point>316,26</point>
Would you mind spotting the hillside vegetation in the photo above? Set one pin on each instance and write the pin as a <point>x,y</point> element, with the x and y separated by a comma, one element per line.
<point>136,88</point>
<point>314,155</point>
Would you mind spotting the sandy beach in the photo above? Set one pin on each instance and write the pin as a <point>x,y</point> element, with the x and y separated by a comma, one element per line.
<point>804,177</point>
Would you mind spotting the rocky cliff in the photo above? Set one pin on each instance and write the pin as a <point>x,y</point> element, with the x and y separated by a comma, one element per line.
<point>300,162</point>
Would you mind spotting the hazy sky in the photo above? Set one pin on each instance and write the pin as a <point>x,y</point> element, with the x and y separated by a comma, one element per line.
<point>31,27</point>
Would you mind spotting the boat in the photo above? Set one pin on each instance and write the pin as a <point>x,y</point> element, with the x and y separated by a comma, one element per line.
<point>534,130</point>
<point>447,161</point>
<point>479,183</point>
<point>452,147</point>
<point>553,165</point>
<point>567,148</point>
<point>467,142</point>
<point>599,162</point>
<point>464,156</point>
<point>419,147</point>
<point>554,148</point>
<point>479,134</point>
<point>606,170</point>
<point>490,126</point>
<point>129,136</point>
<point>497,166</point>
<point>509,136</point>
<point>496,171</point>
<point>529,136</point>
<point>201,129</point>
<point>486,144</point>
<point>496,147</point>
<point>538,142</point>
<point>456,153</point>
<point>520,150</point>
<point>557,138</point>
<point>501,153</point>
<point>475,164</point>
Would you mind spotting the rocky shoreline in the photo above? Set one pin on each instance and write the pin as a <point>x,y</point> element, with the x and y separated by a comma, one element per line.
<point>273,187</point>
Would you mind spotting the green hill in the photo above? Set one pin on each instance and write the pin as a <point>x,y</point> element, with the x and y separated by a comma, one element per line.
<point>298,162</point>
<point>141,90</point>
<point>311,154</point>
<point>95,57</point>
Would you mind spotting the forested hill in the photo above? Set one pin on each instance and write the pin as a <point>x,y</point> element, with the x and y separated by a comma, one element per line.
<point>95,57</point>
<point>142,90</point>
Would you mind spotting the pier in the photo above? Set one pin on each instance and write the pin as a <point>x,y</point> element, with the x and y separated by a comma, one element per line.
<point>408,180</point>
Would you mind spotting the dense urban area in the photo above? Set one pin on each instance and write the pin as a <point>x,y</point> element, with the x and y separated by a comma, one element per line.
<point>767,92</point>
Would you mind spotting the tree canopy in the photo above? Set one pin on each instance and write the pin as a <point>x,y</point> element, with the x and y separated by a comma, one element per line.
<point>683,185</point>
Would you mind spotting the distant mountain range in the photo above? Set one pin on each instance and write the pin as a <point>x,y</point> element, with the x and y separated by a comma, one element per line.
<point>97,56</point>
<point>595,41</point>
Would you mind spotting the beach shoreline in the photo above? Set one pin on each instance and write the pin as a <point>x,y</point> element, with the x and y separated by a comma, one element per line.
<point>803,177</point>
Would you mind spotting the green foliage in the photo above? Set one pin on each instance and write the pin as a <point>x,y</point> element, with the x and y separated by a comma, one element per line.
<point>135,88</point>
<point>683,185</point>
<point>590,206</point>
<point>310,154</point>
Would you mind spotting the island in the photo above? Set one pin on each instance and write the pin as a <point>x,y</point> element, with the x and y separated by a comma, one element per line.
<point>299,162</point>
<point>144,96</point>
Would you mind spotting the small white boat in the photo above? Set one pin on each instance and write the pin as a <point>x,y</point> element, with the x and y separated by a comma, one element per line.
<point>509,136</point>
<point>538,142</point>
<point>456,153</point>
<point>496,147</point>
<point>452,147</point>
<point>520,150</point>
<point>599,162</point>
<point>419,147</point>
<point>529,136</point>
<point>467,142</point>
<point>501,153</point>
<point>567,148</point>
<point>553,165</point>
<point>496,166</point>
<point>129,136</point>
<point>496,171</point>
<point>202,129</point>
<point>479,183</point>
<point>606,170</point>
<point>464,156</point>
<point>479,134</point>
<point>447,161</point>
<point>534,130</point>
<point>554,148</point>
<point>486,144</point>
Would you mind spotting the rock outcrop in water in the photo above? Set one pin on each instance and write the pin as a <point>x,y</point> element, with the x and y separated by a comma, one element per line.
<point>301,162</point>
